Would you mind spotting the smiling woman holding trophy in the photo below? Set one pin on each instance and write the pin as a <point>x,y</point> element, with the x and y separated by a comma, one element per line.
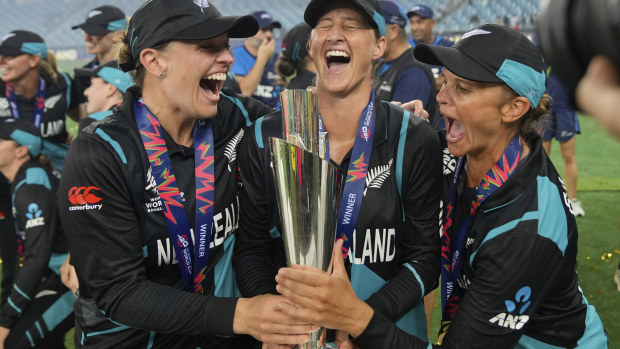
<point>388,215</point>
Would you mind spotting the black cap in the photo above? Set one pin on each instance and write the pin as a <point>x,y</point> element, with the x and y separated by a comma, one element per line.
<point>369,8</point>
<point>102,20</point>
<point>109,72</point>
<point>23,132</point>
<point>492,53</point>
<point>160,21</point>
<point>294,43</point>
<point>19,42</point>
<point>265,20</point>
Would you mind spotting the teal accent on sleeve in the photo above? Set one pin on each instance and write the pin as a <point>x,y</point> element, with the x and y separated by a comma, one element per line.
<point>274,233</point>
<point>22,293</point>
<point>56,261</point>
<point>380,20</point>
<point>417,277</point>
<point>399,158</point>
<point>56,152</point>
<point>19,311</point>
<point>59,311</point>
<point>504,228</point>
<point>365,283</point>
<point>68,91</point>
<point>258,133</point>
<point>151,340</point>
<point>38,326</point>
<point>30,141</point>
<point>224,273</point>
<point>241,107</point>
<point>118,78</point>
<point>100,115</point>
<point>112,330</point>
<point>552,216</point>
<point>119,24</point>
<point>114,144</point>
<point>145,251</point>
<point>35,48</point>
<point>526,81</point>
<point>38,176</point>
<point>82,339</point>
<point>30,338</point>
<point>594,335</point>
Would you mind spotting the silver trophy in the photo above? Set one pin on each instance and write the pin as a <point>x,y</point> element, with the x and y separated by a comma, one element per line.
<point>308,188</point>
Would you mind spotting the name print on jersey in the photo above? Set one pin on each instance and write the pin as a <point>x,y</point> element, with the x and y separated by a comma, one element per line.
<point>379,246</point>
<point>224,223</point>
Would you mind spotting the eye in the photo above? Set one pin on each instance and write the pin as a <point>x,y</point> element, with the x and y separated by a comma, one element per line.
<point>460,87</point>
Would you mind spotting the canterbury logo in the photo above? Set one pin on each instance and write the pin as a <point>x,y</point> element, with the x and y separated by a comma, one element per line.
<point>83,195</point>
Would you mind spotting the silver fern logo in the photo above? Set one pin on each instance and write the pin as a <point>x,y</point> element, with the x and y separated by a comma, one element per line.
<point>151,184</point>
<point>449,162</point>
<point>376,176</point>
<point>202,4</point>
<point>231,149</point>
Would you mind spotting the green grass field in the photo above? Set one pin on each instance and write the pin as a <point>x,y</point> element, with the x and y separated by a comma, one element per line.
<point>599,230</point>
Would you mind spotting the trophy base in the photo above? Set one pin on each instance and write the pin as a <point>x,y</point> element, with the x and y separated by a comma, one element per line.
<point>315,341</point>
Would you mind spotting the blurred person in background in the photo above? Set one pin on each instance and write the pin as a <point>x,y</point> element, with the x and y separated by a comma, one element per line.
<point>103,28</point>
<point>294,65</point>
<point>255,60</point>
<point>106,89</point>
<point>563,125</point>
<point>39,310</point>
<point>149,195</point>
<point>401,77</point>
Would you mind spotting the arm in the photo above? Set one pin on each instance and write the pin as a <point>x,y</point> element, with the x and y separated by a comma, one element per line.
<point>250,80</point>
<point>422,185</point>
<point>255,248</point>
<point>37,212</point>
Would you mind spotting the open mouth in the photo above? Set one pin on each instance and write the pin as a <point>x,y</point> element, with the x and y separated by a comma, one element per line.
<point>212,84</point>
<point>455,130</point>
<point>337,61</point>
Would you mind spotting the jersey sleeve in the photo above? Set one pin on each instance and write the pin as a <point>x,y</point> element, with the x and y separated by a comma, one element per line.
<point>421,245</point>
<point>514,275</point>
<point>37,212</point>
<point>101,222</point>
<point>255,247</point>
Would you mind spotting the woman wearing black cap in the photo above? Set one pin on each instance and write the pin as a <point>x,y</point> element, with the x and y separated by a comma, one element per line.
<point>390,214</point>
<point>509,238</point>
<point>39,310</point>
<point>149,195</point>
<point>294,65</point>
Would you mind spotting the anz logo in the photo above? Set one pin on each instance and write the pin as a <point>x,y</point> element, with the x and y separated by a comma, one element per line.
<point>34,216</point>
<point>518,306</point>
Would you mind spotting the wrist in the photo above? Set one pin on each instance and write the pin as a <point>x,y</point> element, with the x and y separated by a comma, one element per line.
<point>360,319</point>
<point>239,320</point>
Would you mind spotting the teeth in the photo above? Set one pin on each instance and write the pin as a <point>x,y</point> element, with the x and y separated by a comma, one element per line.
<point>336,53</point>
<point>217,76</point>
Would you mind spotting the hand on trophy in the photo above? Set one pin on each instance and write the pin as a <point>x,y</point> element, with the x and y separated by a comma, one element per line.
<point>324,298</point>
<point>262,318</point>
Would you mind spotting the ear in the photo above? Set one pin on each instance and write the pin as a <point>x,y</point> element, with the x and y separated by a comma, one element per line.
<point>153,61</point>
<point>34,61</point>
<point>379,48</point>
<point>21,151</point>
<point>515,109</point>
<point>392,31</point>
<point>309,46</point>
<point>110,90</point>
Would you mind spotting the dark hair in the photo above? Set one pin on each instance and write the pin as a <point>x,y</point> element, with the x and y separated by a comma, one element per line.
<point>286,68</point>
<point>529,124</point>
<point>125,58</point>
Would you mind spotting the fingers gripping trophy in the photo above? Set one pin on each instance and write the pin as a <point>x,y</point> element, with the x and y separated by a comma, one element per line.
<point>308,187</point>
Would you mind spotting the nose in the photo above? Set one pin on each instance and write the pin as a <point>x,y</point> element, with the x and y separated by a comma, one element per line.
<point>335,33</point>
<point>442,97</point>
<point>225,57</point>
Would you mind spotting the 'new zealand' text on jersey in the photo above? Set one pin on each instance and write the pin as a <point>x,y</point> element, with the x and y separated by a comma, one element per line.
<point>120,243</point>
<point>519,273</point>
<point>394,256</point>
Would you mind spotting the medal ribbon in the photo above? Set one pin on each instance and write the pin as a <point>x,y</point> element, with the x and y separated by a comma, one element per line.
<point>192,257</point>
<point>453,247</point>
<point>39,104</point>
<point>355,184</point>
